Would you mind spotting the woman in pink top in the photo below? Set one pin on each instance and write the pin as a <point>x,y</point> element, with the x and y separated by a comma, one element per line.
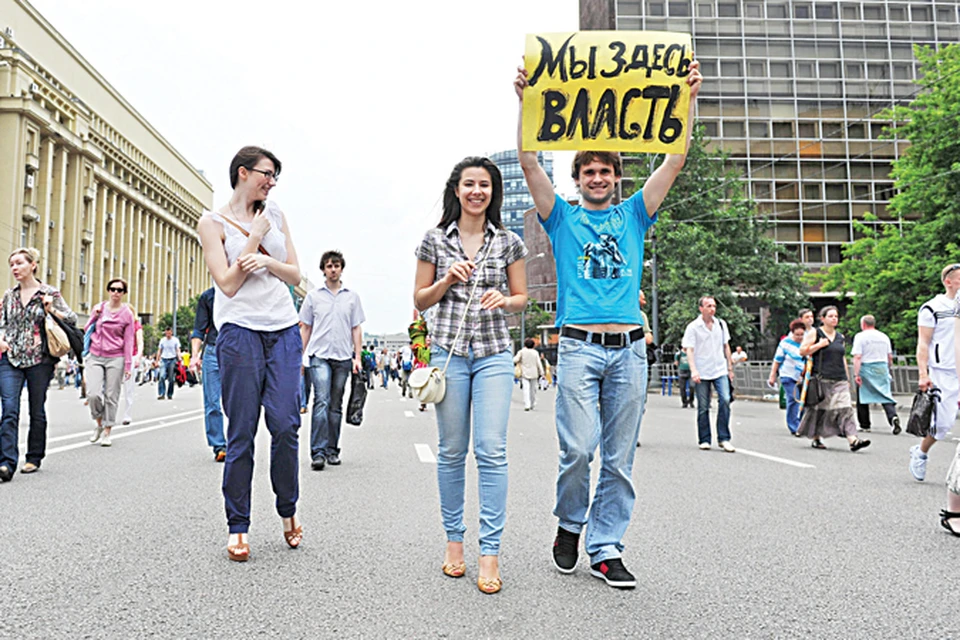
<point>110,359</point>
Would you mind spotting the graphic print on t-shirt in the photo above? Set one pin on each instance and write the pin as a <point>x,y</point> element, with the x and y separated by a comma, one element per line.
<point>602,260</point>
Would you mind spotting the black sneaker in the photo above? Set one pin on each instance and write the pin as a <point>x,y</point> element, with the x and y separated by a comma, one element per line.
<point>318,463</point>
<point>613,573</point>
<point>333,459</point>
<point>896,425</point>
<point>565,550</point>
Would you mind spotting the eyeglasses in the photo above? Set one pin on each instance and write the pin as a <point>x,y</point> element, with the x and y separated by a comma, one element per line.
<point>116,290</point>
<point>269,175</point>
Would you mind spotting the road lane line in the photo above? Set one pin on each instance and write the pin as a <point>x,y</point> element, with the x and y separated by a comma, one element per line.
<point>79,445</point>
<point>425,453</point>
<point>792,463</point>
<point>408,414</point>
<point>136,423</point>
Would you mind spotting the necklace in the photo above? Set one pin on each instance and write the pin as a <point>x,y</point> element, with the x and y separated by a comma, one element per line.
<point>234,213</point>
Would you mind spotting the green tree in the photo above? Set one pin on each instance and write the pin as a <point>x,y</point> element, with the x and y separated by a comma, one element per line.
<point>889,273</point>
<point>185,317</point>
<point>710,240</point>
<point>533,318</point>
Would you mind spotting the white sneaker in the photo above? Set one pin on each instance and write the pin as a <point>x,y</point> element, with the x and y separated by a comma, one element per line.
<point>918,463</point>
<point>96,434</point>
<point>105,441</point>
<point>704,446</point>
<point>726,446</point>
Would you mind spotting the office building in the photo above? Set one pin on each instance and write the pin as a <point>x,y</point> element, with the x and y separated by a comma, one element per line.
<point>516,198</point>
<point>791,90</point>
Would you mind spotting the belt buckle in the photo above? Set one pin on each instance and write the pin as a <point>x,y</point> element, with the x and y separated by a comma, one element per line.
<point>618,343</point>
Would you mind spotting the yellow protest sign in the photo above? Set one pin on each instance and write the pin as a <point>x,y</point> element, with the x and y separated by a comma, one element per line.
<point>607,91</point>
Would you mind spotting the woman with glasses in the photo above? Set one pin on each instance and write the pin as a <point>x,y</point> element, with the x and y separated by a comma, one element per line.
<point>470,246</point>
<point>248,248</point>
<point>833,415</point>
<point>23,357</point>
<point>110,361</point>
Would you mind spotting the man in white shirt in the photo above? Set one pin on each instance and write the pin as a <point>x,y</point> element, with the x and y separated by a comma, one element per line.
<point>406,366</point>
<point>936,363</point>
<point>168,355</point>
<point>707,343</point>
<point>872,360</point>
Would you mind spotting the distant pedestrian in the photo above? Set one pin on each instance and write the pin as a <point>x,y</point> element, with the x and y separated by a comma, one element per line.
<point>383,366</point>
<point>470,250</point>
<point>111,358</point>
<point>330,327</point>
<point>937,363</point>
<point>248,248</point>
<point>872,364</point>
<point>168,356</point>
<point>789,364</point>
<point>531,371</point>
<point>833,415</point>
<point>203,358</point>
<point>406,366</point>
<point>707,343</point>
<point>683,378</point>
<point>23,359</point>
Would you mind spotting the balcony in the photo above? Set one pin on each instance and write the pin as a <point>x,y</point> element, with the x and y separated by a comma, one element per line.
<point>87,236</point>
<point>32,162</point>
<point>89,194</point>
<point>30,213</point>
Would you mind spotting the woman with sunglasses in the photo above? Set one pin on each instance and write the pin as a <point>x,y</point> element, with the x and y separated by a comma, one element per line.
<point>23,357</point>
<point>110,361</point>
<point>470,246</point>
<point>248,248</point>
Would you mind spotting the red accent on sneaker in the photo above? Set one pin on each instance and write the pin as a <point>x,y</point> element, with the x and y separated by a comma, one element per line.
<point>604,568</point>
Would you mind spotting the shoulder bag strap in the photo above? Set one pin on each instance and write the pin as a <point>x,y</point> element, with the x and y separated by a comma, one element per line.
<point>466,309</point>
<point>245,233</point>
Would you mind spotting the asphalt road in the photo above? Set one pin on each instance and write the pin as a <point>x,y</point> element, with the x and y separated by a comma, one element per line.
<point>130,541</point>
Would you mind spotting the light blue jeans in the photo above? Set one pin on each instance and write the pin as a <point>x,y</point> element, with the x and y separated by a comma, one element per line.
<point>481,387</point>
<point>212,413</point>
<point>793,403</point>
<point>590,375</point>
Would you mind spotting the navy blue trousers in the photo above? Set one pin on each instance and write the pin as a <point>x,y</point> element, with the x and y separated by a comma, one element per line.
<point>260,369</point>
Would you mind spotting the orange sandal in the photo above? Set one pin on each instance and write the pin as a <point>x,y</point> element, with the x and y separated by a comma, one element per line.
<point>294,536</point>
<point>454,569</point>
<point>489,585</point>
<point>241,551</point>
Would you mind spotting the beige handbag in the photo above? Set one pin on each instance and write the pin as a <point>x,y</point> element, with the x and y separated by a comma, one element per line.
<point>57,343</point>
<point>429,384</point>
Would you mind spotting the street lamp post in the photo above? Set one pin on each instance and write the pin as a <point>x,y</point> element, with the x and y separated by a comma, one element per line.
<point>176,270</point>
<point>523,312</point>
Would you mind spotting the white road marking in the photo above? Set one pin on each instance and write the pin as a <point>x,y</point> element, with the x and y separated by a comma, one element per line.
<point>408,414</point>
<point>792,463</point>
<point>136,423</point>
<point>79,445</point>
<point>425,453</point>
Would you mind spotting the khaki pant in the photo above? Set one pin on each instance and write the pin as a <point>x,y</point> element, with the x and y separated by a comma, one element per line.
<point>104,378</point>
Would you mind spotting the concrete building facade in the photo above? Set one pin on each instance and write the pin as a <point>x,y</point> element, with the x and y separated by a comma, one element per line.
<point>791,91</point>
<point>516,198</point>
<point>88,181</point>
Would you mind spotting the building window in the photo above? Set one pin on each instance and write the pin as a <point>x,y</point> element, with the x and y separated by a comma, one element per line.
<point>782,129</point>
<point>656,9</point>
<point>854,69</point>
<point>807,130</point>
<point>805,70</point>
<point>759,129</point>
<point>757,68</point>
<point>920,13</point>
<point>801,11</point>
<point>711,129</point>
<point>754,10</point>
<point>897,14</point>
<point>728,10</point>
<point>850,11</point>
<point>731,69</point>
<point>680,9</point>
<point>779,69</point>
<point>705,9</point>
<point>826,11</point>
<point>733,129</point>
<point>814,253</point>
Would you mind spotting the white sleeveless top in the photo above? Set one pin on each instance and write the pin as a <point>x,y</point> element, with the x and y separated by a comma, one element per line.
<point>263,302</point>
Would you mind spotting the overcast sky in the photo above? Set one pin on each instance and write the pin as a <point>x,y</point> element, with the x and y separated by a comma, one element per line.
<point>367,104</point>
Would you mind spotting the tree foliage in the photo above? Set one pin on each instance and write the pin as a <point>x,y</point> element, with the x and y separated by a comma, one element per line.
<point>185,317</point>
<point>889,273</point>
<point>534,317</point>
<point>710,240</point>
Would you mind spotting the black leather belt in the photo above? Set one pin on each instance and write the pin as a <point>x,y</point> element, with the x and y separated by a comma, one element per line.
<point>609,340</point>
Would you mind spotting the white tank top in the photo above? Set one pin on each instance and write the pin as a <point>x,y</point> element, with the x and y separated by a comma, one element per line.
<point>263,302</point>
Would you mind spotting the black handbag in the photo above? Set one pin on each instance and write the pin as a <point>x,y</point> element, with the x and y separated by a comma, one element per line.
<point>74,336</point>
<point>358,396</point>
<point>815,392</point>
<point>923,412</point>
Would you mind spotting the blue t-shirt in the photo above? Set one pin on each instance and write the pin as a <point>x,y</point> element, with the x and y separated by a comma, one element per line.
<point>791,362</point>
<point>599,257</point>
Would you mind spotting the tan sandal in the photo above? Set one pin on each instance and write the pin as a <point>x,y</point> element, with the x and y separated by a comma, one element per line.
<point>454,569</point>
<point>489,585</point>
<point>294,536</point>
<point>241,551</point>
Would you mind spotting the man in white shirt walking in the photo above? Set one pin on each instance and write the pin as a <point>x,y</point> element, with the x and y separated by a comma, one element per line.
<point>707,343</point>
<point>872,362</point>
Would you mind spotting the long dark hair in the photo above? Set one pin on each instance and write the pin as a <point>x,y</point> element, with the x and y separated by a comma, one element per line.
<point>247,158</point>
<point>451,203</point>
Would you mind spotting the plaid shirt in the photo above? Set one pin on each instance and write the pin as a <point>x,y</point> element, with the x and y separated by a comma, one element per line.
<point>21,325</point>
<point>483,331</point>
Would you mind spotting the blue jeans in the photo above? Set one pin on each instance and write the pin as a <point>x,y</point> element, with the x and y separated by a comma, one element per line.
<point>12,379</point>
<point>260,369</point>
<point>212,415</point>
<point>589,375</point>
<point>722,385</point>
<point>305,386</point>
<point>168,374</point>
<point>793,404</point>
<point>480,387</point>
<point>329,377</point>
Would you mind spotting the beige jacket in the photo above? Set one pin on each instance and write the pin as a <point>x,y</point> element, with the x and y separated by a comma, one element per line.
<point>530,365</point>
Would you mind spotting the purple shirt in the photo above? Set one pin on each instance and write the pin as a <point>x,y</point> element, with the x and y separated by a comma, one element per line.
<point>115,334</point>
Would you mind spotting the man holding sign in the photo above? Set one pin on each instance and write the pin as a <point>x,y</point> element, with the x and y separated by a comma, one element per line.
<point>598,248</point>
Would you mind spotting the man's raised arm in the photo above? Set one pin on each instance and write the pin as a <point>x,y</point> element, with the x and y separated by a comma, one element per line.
<point>537,180</point>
